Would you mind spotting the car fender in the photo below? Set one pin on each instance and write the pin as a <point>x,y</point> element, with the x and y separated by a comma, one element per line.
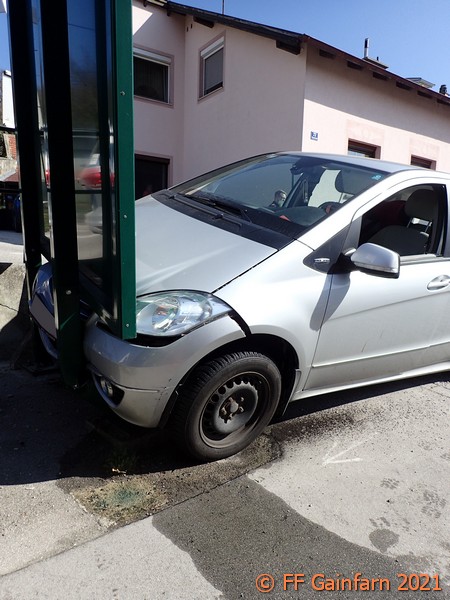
<point>283,297</point>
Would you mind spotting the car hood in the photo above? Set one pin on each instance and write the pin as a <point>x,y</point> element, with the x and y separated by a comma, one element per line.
<point>177,251</point>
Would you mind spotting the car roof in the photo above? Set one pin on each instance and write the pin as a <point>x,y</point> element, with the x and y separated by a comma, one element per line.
<point>361,161</point>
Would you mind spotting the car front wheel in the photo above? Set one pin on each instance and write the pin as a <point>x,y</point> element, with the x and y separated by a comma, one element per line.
<point>225,404</point>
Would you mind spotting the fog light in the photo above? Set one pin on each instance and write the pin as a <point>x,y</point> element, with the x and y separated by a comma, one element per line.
<point>110,393</point>
<point>107,387</point>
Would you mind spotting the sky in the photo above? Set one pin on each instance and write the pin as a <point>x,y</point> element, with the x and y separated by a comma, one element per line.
<point>411,36</point>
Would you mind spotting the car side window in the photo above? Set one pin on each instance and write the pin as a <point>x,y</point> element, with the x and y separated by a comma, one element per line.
<point>411,222</point>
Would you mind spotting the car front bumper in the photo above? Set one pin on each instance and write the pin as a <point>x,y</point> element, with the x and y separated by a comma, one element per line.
<point>137,381</point>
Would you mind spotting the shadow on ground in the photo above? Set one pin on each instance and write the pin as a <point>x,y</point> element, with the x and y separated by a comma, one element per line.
<point>122,472</point>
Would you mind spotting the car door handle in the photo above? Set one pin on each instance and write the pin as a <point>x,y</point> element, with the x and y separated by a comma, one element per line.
<point>438,283</point>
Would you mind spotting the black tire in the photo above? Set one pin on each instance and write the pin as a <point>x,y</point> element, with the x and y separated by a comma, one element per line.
<point>225,404</point>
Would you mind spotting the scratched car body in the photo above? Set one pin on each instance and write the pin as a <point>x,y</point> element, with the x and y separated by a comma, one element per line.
<point>274,279</point>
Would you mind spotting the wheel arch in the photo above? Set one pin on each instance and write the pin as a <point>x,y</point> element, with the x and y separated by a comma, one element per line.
<point>277,349</point>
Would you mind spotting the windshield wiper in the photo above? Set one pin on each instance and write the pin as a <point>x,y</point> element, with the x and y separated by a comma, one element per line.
<point>220,203</point>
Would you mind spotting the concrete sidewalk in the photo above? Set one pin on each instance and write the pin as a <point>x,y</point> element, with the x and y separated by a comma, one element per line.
<point>133,563</point>
<point>360,485</point>
<point>11,247</point>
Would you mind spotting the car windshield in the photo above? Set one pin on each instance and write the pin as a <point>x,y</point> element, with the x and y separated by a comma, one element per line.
<point>285,192</point>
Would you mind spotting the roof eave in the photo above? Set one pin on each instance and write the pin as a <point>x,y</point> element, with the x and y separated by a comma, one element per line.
<point>294,42</point>
<point>288,39</point>
<point>378,71</point>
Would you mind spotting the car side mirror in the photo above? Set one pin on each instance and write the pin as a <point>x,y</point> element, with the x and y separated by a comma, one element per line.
<point>376,260</point>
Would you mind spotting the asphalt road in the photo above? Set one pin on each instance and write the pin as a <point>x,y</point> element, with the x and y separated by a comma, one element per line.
<point>349,483</point>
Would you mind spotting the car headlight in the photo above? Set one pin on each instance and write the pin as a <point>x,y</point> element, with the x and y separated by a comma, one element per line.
<point>43,286</point>
<point>176,312</point>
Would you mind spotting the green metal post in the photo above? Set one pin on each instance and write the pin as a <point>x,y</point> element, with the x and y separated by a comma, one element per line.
<point>126,286</point>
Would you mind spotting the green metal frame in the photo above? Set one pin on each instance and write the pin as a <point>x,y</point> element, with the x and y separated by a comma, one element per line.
<point>114,296</point>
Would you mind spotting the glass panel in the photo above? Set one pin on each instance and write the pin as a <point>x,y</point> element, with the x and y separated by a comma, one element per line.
<point>425,163</point>
<point>9,182</point>
<point>213,72</point>
<point>85,119</point>
<point>360,149</point>
<point>150,176</point>
<point>151,79</point>
<point>83,64</point>
<point>8,154</point>
<point>3,152</point>
<point>39,64</point>
<point>42,123</point>
<point>282,192</point>
<point>93,143</point>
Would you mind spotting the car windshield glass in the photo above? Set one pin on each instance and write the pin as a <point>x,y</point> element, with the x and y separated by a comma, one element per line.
<point>285,192</point>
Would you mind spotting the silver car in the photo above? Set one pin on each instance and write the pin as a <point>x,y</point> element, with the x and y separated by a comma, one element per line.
<point>274,279</point>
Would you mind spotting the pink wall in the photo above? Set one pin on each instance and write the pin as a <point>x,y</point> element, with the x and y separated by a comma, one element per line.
<point>158,129</point>
<point>259,108</point>
<point>343,104</point>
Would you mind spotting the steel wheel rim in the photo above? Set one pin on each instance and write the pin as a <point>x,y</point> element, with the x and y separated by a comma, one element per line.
<point>234,408</point>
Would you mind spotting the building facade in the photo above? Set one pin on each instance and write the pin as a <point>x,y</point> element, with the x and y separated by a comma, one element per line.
<point>212,89</point>
<point>8,156</point>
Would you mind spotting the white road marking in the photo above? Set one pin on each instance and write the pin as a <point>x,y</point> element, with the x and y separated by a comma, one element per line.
<point>329,460</point>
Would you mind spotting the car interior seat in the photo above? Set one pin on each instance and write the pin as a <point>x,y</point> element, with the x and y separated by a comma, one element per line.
<point>423,204</point>
<point>350,182</point>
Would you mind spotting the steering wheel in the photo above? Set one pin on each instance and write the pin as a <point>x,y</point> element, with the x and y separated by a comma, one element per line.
<point>302,215</point>
<point>330,207</point>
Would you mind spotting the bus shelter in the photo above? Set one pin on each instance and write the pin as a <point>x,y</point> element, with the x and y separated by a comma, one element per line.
<point>71,64</point>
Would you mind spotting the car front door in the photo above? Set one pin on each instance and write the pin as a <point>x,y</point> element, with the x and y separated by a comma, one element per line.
<point>376,327</point>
